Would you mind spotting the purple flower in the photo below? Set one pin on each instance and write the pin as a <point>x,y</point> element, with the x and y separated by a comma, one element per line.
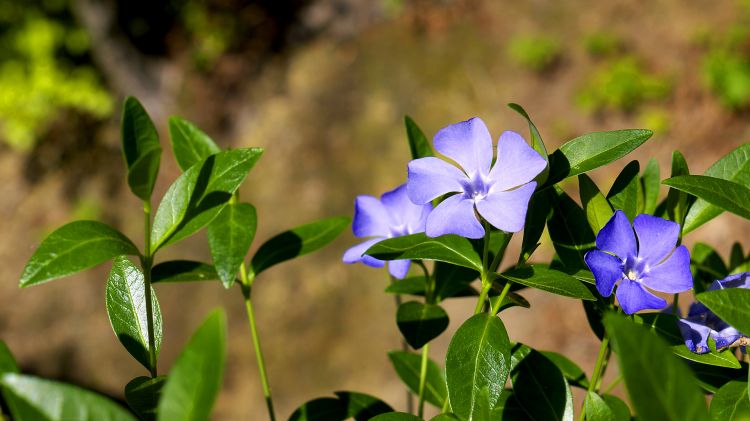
<point>701,323</point>
<point>394,215</point>
<point>646,258</point>
<point>499,193</point>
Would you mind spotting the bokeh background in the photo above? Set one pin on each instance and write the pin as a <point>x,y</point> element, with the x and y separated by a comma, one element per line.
<point>323,85</point>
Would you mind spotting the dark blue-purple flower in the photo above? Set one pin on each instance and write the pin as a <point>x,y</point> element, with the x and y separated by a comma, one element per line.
<point>394,215</point>
<point>499,193</point>
<point>701,323</point>
<point>646,258</point>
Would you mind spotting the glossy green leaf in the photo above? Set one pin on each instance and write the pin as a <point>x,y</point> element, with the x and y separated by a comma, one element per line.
<point>597,409</point>
<point>345,405</point>
<point>626,190</point>
<point>297,242</point>
<point>732,305</point>
<point>189,144</point>
<point>72,248</point>
<point>447,248</point>
<point>536,217</point>
<point>731,403</point>
<point>677,201</point>
<point>595,205</point>
<point>724,194</point>
<point>593,150</point>
<point>453,281</point>
<point>665,325</point>
<point>541,389</point>
<point>420,323</point>
<point>569,231</point>
<point>126,308</point>
<point>650,182</point>
<point>661,387</point>
<point>734,166</point>
<point>569,369</point>
<point>199,194</point>
<point>445,417</point>
<point>31,398</point>
<point>478,356</point>
<point>230,235</point>
<point>7,360</point>
<point>536,141</point>
<point>408,366</point>
<point>183,271</point>
<point>142,395</point>
<point>511,299</point>
<point>619,408</point>
<point>195,378</point>
<point>418,143</point>
<point>550,280</point>
<point>396,416</point>
<point>141,147</point>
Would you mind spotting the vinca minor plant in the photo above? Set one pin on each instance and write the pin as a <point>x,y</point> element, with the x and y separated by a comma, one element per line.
<point>443,234</point>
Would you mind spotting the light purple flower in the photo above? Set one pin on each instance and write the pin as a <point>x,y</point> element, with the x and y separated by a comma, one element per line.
<point>499,193</point>
<point>646,258</point>
<point>701,323</point>
<point>394,215</point>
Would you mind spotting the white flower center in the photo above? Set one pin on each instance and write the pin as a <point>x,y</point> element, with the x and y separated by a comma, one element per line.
<point>632,275</point>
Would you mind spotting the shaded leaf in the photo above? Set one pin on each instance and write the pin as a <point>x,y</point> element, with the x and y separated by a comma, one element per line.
<point>418,143</point>
<point>569,230</point>
<point>420,323</point>
<point>414,285</point>
<point>141,147</point>
<point>396,416</point>
<point>732,305</point>
<point>189,144</point>
<point>569,369</point>
<point>650,182</point>
<point>344,406</point>
<point>408,367</point>
<point>677,201</point>
<point>540,388</point>
<point>536,217</point>
<point>536,141</point>
<point>625,192</point>
<point>142,395</point>
<point>447,248</point>
<point>453,281</point>
<point>229,238</point>
<point>7,360</point>
<point>549,280</point>
<point>183,271</point>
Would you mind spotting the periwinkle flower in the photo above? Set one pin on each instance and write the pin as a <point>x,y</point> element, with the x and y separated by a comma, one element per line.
<point>499,193</point>
<point>646,258</point>
<point>701,323</point>
<point>394,215</point>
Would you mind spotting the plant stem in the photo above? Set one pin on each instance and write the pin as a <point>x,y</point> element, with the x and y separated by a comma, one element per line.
<point>675,304</point>
<point>496,307</point>
<point>482,296</point>
<point>404,348</point>
<point>595,376</point>
<point>486,283</point>
<point>246,292</point>
<point>612,385</point>
<point>446,404</point>
<point>146,263</point>
<point>423,379</point>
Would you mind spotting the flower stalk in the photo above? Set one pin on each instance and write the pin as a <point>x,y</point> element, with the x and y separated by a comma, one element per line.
<point>147,262</point>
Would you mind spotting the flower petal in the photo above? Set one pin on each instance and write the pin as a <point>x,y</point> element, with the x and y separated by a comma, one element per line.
<point>430,178</point>
<point>454,215</point>
<point>407,218</point>
<point>399,268</point>
<point>370,218</point>
<point>617,236</point>
<point>672,275</point>
<point>633,297</point>
<point>468,143</point>
<point>657,237</point>
<point>607,270</point>
<point>740,280</point>
<point>725,337</point>
<point>695,335</point>
<point>506,210</point>
<point>517,163</point>
<point>355,254</point>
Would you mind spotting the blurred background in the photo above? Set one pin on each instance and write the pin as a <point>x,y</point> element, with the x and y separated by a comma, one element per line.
<point>323,85</point>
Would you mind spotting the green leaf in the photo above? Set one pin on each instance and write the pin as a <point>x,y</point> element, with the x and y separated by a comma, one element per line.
<point>30,398</point>
<point>126,308</point>
<point>536,141</point>
<point>569,369</point>
<point>444,417</point>
<point>199,194</point>
<point>418,143</point>
<point>536,217</point>
<point>453,281</point>
<point>447,248</point>
<point>478,356</point>
<point>229,238</point>
<point>711,378</point>
<point>660,386</point>
<point>344,406</point>
<point>650,182</point>
<point>732,305</point>
<point>72,248</point>
<point>724,194</point>
<point>507,408</point>
<point>420,323</point>
<point>189,144</point>
<point>511,299</point>
<point>734,166</point>
<point>140,145</point>
<point>618,407</point>
<point>183,271</point>
<point>597,208</point>
<point>706,266</point>
<point>142,395</point>
<point>569,230</point>
<point>665,325</point>
<point>297,242</point>
<point>625,192</point>
<point>677,201</point>
<point>549,280</point>
<point>320,409</point>
<point>414,285</point>
<point>7,360</point>
<point>731,403</point>
<point>396,416</point>
<point>362,407</point>
<point>597,409</point>
<point>541,389</point>
<point>195,378</point>
<point>736,257</point>
<point>408,366</point>
<point>593,150</point>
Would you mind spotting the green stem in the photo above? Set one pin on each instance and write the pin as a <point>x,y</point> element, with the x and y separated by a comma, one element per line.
<point>146,263</point>
<point>482,296</point>
<point>446,405</point>
<point>595,376</point>
<point>423,379</point>
<point>612,385</point>
<point>675,304</point>
<point>404,348</point>
<point>246,291</point>
<point>496,307</point>
<point>486,283</point>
